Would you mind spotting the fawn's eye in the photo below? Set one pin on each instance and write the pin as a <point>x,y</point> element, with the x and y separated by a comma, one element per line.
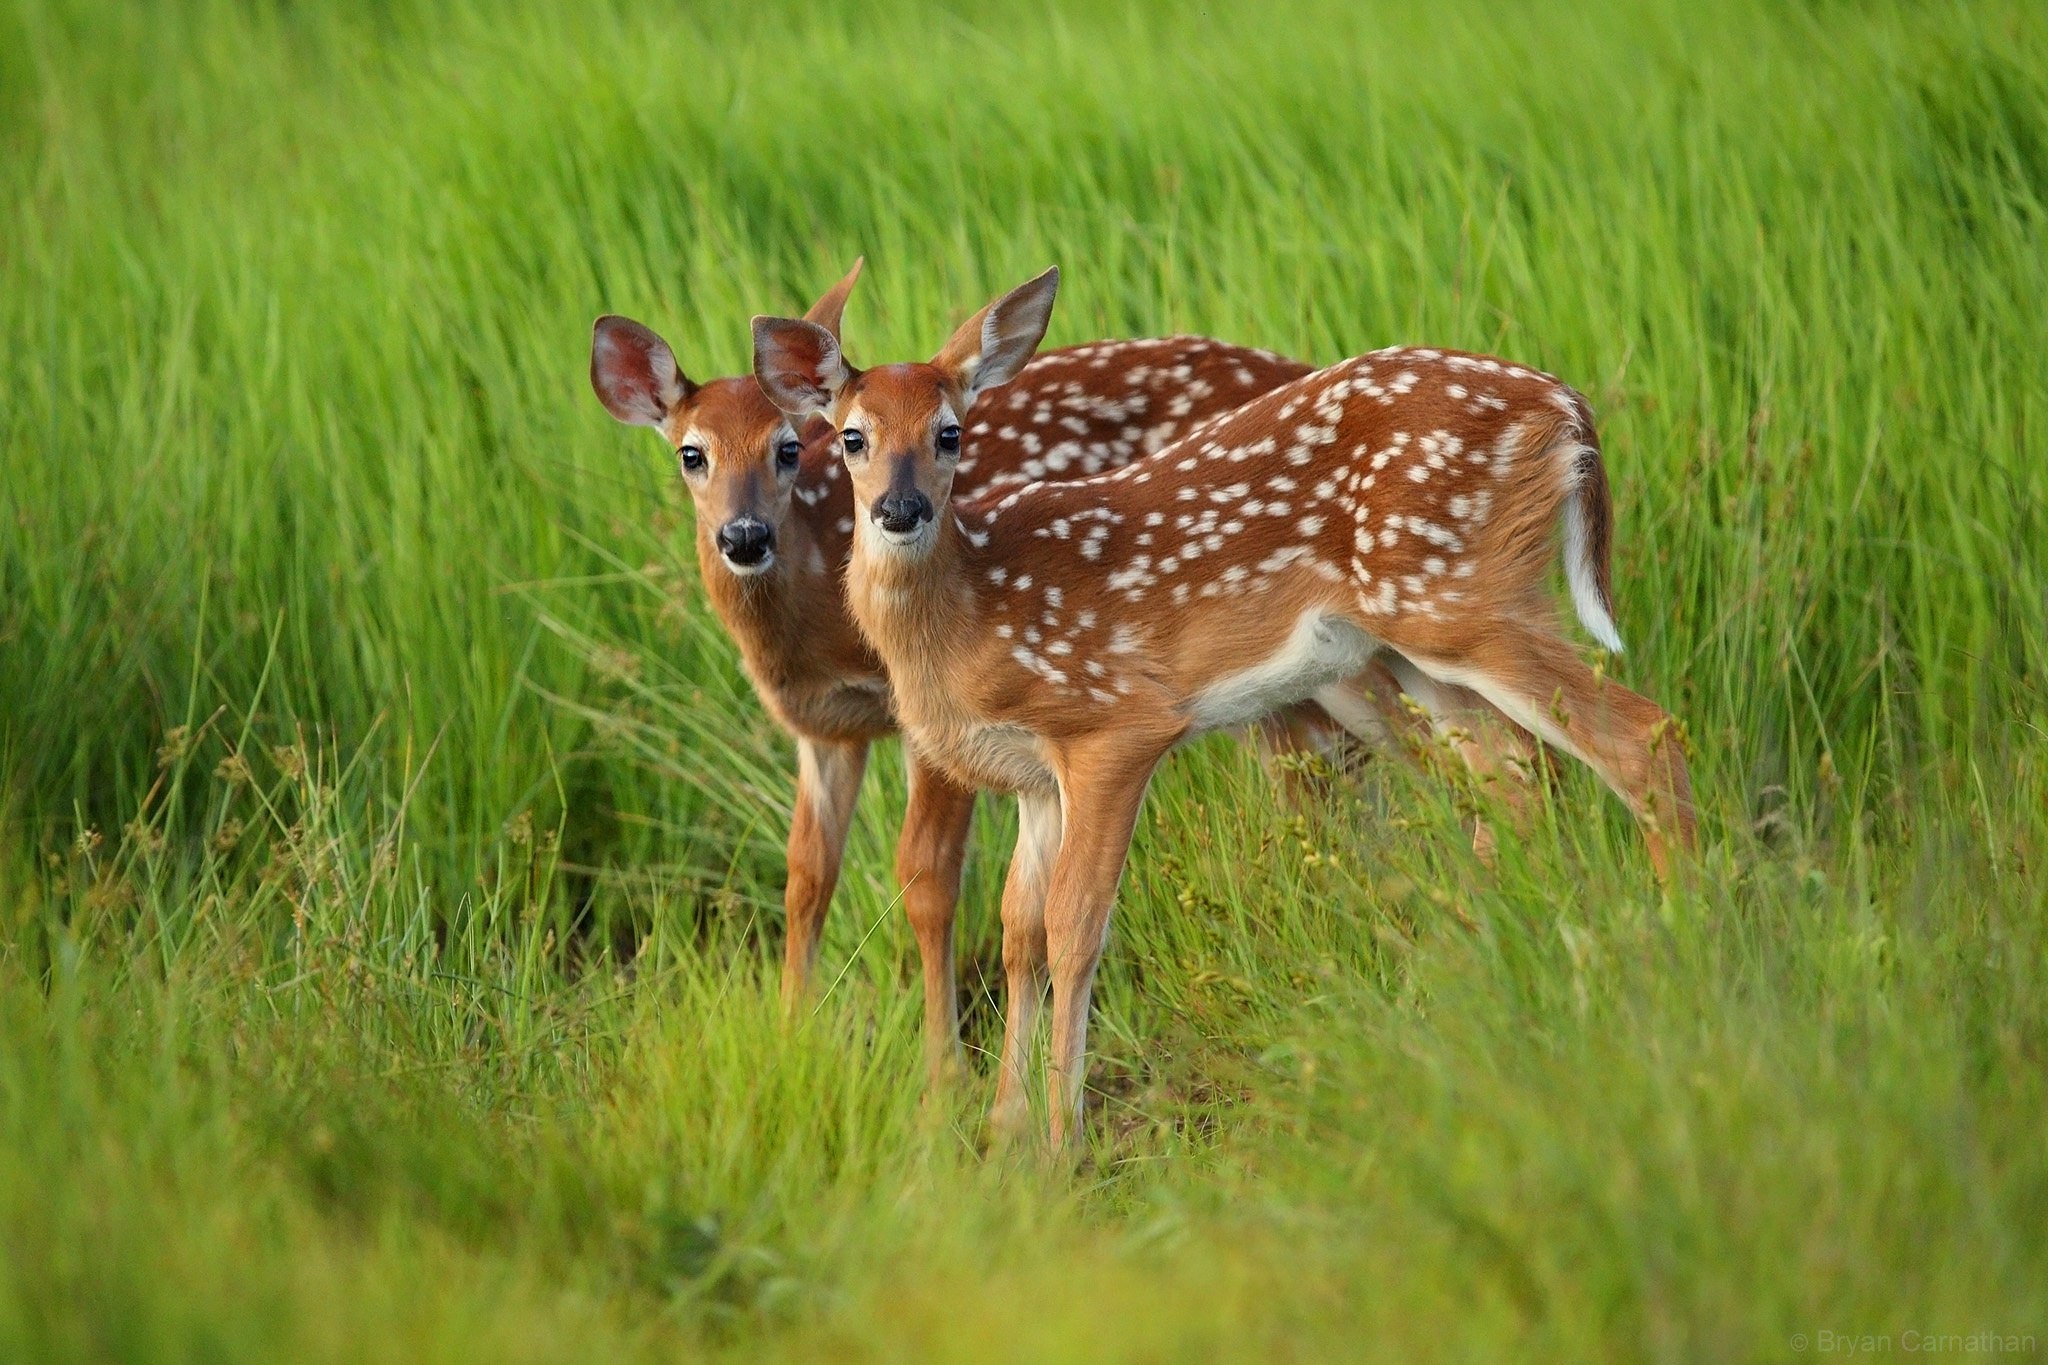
<point>788,453</point>
<point>692,458</point>
<point>855,442</point>
<point>949,440</point>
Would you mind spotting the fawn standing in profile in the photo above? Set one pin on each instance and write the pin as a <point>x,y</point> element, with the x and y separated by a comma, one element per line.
<point>1060,639</point>
<point>776,516</point>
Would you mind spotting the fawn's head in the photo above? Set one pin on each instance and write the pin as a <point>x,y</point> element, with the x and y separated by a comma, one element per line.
<point>900,425</point>
<point>739,454</point>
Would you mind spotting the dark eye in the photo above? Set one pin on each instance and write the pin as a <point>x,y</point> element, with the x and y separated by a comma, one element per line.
<point>949,440</point>
<point>855,442</point>
<point>788,453</point>
<point>692,458</point>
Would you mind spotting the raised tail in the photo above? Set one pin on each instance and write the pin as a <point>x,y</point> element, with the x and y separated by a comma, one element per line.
<point>1589,542</point>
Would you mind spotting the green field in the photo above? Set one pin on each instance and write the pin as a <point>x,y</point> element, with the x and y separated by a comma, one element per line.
<point>390,849</point>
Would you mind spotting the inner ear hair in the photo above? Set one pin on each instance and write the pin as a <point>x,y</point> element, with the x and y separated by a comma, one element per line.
<point>634,373</point>
<point>798,364</point>
<point>993,345</point>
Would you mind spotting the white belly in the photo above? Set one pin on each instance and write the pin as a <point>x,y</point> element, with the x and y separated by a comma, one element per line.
<point>1009,757</point>
<point>990,757</point>
<point>1319,651</point>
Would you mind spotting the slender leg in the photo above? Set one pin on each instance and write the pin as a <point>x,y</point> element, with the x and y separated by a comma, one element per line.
<point>1024,955</point>
<point>928,860</point>
<point>827,781</point>
<point>1536,680</point>
<point>1503,756</point>
<point>1302,731</point>
<point>1383,701</point>
<point>1102,787</point>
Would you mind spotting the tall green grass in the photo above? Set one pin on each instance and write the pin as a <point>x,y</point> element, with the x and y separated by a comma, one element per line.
<point>389,850</point>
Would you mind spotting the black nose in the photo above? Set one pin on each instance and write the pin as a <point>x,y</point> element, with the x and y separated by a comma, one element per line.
<point>903,511</point>
<point>745,541</point>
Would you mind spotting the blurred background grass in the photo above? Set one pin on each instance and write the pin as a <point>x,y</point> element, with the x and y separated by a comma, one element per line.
<point>389,851</point>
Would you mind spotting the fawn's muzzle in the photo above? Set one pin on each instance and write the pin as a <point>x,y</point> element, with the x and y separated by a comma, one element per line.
<point>901,512</point>
<point>745,541</point>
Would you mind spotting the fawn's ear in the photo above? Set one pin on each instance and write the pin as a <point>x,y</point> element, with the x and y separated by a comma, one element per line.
<point>827,311</point>
<point>995,343</point>
<point>798,364</point>
<point>634,372</point>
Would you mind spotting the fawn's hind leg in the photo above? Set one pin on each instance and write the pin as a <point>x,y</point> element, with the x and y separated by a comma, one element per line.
<point>1535,679</point>
<point>1301,743</point>
<point>1504,758</point>
<point>1393,698</point>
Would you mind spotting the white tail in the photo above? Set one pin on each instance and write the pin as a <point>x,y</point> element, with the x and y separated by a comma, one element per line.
<point>1587,518</point>
<point>1061,639</point>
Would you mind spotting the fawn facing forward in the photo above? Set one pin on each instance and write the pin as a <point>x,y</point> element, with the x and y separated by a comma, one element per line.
<point>775,516</point>
<point>1060,639</point>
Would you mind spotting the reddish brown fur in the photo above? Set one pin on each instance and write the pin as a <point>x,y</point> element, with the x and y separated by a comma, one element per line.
<point>1599,502</point>
<point>1071,413</point>
<point>1060,639</point>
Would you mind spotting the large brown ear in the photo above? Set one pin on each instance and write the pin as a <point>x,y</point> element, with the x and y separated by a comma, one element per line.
<point>827,311</point>
<point>798,364</point>
<point>634,372</point>
<point>995,343</point>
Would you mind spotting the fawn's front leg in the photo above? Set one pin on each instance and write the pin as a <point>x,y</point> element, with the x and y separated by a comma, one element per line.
<point>1102,784</point>
<point>929,855</point>
<point>1024,954</point>
<point>827,782</point>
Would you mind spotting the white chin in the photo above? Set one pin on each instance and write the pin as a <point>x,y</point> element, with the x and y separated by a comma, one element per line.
<point>909,544</point>
<point>766,563</point>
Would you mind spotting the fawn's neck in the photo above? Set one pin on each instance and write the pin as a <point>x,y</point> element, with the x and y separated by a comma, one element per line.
<point>916,611</point>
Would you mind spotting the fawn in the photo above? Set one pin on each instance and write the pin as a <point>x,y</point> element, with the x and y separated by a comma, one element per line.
<point>775,516</point>
<point>1058,640</point>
